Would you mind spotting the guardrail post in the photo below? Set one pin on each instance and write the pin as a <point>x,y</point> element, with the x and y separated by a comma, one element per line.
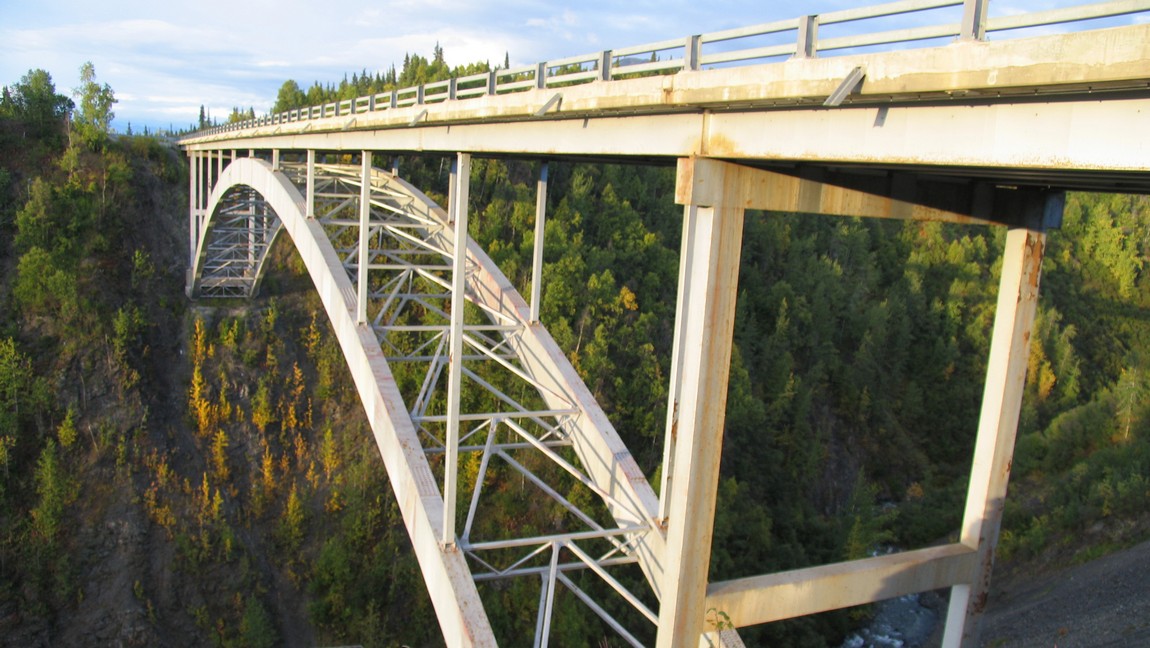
<point>492,82</point>
<point>371,103</point>
<point>452,87</point>
<point>605,65</point>
<point>541,75</point>
<point>419,95</point>
<point>974,20</point>
<point>808,37</point>
<point>394,99</point>
<point>691,52</point>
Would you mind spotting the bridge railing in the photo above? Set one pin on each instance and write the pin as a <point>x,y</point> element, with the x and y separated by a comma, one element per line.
<point>792,38</point>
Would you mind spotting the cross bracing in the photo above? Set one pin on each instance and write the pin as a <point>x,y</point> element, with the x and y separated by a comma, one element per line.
<point>237,245</point>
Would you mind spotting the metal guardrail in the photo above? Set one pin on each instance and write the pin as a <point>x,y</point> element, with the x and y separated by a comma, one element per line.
<point>728,47</point>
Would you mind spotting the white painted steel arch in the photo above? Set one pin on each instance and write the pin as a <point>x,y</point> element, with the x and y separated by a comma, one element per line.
<point>450,586</point>
<point>572,431</point>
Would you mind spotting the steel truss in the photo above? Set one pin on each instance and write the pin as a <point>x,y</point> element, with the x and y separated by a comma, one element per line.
<point>233,250</point>
<point>509,416</point>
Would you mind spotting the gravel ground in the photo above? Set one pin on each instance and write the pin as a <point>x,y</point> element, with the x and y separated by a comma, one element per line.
<point>1105,602</point>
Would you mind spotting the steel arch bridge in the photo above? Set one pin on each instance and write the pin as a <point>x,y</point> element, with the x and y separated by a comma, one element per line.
<point>462,383</point>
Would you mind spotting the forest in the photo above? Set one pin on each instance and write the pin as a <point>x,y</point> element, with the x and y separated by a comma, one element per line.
<point>181,472</point>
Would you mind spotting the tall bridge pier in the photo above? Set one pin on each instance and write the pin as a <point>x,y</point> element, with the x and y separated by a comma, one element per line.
<point>975,132</point>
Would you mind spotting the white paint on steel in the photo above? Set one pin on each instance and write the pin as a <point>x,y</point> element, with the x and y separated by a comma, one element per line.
<point>608,469</point>
<point>713,232</point>
<point>537,255</point>
<point>997,427</point>
<point>309,187</point>
<point>990,92</point>
<point>972,26</point>
<point>800,592</point>
<point>193,200</point>
<point>448,579</point>
<point>460,192</point>
<point>363,257</point>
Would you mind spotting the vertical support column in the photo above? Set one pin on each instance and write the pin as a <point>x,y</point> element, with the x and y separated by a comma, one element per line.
<point>219,164</point>
<point>458,217</point>
<point>537,259</point>
<point>997,426</point>
<point>257,225</point>
<point>671,434</point>
<point>193,207</point>
<point>705,317</point>
<point>974,20</point>
<point>207,183</point>
<point>543,623</point>
<point>364,223</point>
<point>193,220</point>
<point>275,159</point>
<point>310,184</point>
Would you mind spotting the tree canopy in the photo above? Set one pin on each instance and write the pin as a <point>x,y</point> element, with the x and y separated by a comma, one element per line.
<point>34,101</point>
<point>93,119</point>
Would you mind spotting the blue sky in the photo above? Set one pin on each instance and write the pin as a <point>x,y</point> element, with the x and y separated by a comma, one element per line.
<point>164,59</point>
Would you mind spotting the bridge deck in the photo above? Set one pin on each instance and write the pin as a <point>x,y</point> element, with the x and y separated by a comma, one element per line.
<point>1068,110</point>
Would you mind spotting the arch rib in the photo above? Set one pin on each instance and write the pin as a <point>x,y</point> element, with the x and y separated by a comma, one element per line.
<point>449,583</point>
<point>564,414</point>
